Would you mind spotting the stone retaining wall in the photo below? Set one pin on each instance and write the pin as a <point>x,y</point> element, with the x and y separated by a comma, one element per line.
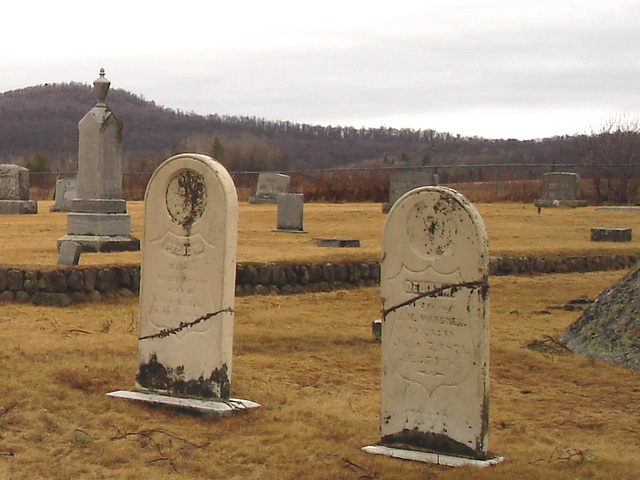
<point>66,285</point>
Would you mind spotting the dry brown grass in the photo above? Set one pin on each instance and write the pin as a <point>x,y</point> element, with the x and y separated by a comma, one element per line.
<point>514,229</point>
<point>309,360</point>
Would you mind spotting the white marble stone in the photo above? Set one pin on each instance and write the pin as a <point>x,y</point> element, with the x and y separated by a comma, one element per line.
<point>435,328</point>
<point>188,279</point>
<point>436,458</point>
<point>205,407</point>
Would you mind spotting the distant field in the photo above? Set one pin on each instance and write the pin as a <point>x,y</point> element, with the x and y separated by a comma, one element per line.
<point>514,229</point>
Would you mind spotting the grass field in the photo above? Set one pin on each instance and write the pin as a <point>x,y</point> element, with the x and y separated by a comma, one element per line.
<point>514,229</point>
<point>310,361</point>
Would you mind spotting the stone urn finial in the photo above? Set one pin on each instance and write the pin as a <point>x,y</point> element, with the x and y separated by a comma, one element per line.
<point>101,88</point>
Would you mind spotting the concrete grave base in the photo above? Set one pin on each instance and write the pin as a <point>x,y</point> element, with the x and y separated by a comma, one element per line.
<point>18,207</point>
<point>426,457</point>
<point>103,243</point>
<point>211,408</point>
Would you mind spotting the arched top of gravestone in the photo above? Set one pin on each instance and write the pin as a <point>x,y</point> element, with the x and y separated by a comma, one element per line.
<point>435,228</point>
<point>190,188</point>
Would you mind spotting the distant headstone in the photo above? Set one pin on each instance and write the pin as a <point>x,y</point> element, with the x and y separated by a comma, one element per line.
<point>69,253</point>
<point>610,234</point>
<point>403,182</point>
<point>339,242</point>
<point>270,186</point>
<point>99,221</point>
<point>187,286</point>
<point>435,330</point>
<point>14,190</point>
<point>64,195</point>
<point>290,213</point>
<point>560,189</point>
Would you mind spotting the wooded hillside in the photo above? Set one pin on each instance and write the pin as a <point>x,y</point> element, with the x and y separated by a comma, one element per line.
<point>43,120</point>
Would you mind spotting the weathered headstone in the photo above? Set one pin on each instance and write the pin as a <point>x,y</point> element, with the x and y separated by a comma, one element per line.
<point>611,234</point>
<point>187,287</point>
<point>290,213</point>
<point>403,182</point>
<point>65,193</point>
<point>99,221</point>
<point>435,331</point>
<point>69,253</point>
<point>14,190</point>
<point>560,188</point>
<point>270,186</point>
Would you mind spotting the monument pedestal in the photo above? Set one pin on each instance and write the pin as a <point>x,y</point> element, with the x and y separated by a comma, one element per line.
<point>103,243</point>
<point>428,457</point>
<point>18,206</point>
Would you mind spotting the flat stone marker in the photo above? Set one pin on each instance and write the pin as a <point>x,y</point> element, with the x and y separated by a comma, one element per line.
<point>435,331</point>
<point>187,286</point>
<point>560,188</point>
<point>14,191</point>
<point>611,234</point>
<point>339,242</point>
<point>69,253</point>
<point>403,182</point>
<point>290,213</point>
<point>270,186</point>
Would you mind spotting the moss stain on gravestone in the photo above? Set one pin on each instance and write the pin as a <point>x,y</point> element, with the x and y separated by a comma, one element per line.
<point>153,375</point>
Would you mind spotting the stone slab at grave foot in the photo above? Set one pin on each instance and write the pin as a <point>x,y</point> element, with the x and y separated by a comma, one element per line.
<point>187,288</point>
<point>611,234</point>
<point>339,242</point>
<point>435,331</point>
<point>14,191</point>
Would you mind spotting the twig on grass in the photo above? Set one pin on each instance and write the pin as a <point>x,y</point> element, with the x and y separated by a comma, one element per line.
<point>366,473</point>
<point>7,409</point>
<point>166,451</point>
<point>78,330</point>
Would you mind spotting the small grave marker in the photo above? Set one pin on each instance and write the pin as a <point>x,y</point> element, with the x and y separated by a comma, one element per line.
<point>560,189</point>
<point>14,191</point>
<point>69,253</point>
<point>65,193</point>
<point>290,213</point>
<point>270,186</point>
<point>403,182</point>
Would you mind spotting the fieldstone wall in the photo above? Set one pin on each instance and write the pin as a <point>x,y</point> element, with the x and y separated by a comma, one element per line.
<point>65,285</point>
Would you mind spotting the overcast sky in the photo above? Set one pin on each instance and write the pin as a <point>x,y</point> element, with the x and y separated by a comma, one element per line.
<point>497,69</point>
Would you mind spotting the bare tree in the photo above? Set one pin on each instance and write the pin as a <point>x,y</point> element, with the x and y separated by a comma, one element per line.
<point>611,155</point>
